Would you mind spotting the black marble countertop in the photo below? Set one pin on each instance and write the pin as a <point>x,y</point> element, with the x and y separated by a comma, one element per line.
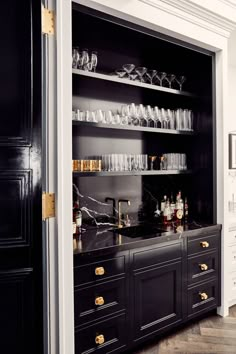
<point>105,239</point>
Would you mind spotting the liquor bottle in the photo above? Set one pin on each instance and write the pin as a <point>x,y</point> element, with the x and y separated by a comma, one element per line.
<point>185,210</point>
<point>167,212</point>
<point>163,204</point>
<point>179,207</point>
<point>77,216</point>
<point>172,206</point>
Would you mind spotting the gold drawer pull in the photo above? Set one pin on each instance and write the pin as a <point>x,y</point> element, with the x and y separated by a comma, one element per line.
<point>99,271</point>
<point>203,296</point>
<point>204,244</point>
<point>203,266</point>
<point>99,339</point>
<point>99,301</point>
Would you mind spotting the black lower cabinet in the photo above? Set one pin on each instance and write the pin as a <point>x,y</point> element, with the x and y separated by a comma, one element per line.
<point>125,298</point>
<point>157,299</point>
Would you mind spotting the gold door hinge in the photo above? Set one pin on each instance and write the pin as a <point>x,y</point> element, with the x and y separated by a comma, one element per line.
<point>48,21</point>
<point>48,205</point>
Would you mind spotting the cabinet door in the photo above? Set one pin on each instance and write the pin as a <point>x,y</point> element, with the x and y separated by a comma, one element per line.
<point>157,299</point>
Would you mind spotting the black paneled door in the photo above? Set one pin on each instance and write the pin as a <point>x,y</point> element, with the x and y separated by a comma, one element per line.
<point>20,178</point>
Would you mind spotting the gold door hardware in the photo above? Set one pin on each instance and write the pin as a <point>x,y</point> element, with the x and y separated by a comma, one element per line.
<point>99,301</point>
<point>48,21</point>
<point>204,244</point>
<point>99,271</point>
<point>203,266</point>
<point>203,296</point>
<point>48,205</point>
<point>99,339</point>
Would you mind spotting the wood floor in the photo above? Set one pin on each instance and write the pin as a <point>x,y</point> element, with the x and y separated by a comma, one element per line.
<point>213,334</point>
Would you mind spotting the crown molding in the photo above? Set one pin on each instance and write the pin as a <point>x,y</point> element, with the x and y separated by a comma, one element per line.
<point>197,14</point>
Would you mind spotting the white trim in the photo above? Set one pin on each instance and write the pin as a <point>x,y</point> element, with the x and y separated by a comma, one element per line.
<point>64,176</point>
<point>195,14</point>
<point>231,3</point>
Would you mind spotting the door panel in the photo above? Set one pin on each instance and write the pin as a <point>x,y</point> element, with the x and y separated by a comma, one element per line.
<point>157,298</point>
<point>20,178</point>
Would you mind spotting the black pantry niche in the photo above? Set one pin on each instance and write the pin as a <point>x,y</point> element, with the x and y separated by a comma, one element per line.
<point>118,42</point>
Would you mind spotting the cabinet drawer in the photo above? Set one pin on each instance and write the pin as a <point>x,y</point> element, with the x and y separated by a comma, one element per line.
<point>111,334</point>
<point>202,267</point>
<point>99,300</point>
<point>201,244</point>
<point>145,257</point>
<point>98,271</point>
<point>202,297</point>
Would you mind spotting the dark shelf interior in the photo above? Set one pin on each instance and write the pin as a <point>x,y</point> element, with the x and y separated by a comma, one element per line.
<point>118,43</point>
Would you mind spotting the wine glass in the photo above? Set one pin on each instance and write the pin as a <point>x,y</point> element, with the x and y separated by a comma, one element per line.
<point>157,117</point>
<point>133,76</point>
<point>170,78</point>
<point>94,60</point>
<point>160,77</point>
<point>151,74</point>
<point>121,73</point>
<point>180,80</point>
<point>150,117</point>
<point>85,59</point>
<point>75,57</point>
<point>141,70</point>
<point>128,68</point>
<point>142,115</point>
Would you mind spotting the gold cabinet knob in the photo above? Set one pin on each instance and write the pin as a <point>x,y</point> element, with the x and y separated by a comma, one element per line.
<point>204,244</point>
<point>99,339</point>
<point>99,301</point>
<point>99,271</point>
<point>203,266</point>
<point>203,296</point>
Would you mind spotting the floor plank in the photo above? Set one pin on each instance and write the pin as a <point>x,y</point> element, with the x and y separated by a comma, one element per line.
<point>211,335</point>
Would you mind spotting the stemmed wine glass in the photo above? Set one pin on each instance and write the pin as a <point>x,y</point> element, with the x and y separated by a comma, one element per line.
<point>128,68</point>
<point>180,80</point>
<point>160,77</point>
<point>94,60</point>
<point>141,70</point>
<point>151,74</point>
<point>85,59</point>
<point>170,78</point>
<point>75,57</point>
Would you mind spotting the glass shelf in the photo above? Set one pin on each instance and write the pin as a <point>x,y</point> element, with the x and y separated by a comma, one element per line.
<point>132,128</point>
<point>113,78</point>
<point>131,173</point>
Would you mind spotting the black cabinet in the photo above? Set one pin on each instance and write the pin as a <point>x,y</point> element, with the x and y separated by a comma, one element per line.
<point>146,291</point>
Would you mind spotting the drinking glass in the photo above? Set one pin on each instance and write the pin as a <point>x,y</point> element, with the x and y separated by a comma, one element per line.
<point>85,57</point>
<point>151,74</point>
<point>171,119</point>
<point>141,70</point>
<point>152,159</point>
<point>144,162</point>
<point>94,60</point>
<point>164,119</point>
<point>75,57</point>
<point>116,119</point>
<point>121,73</point>
<point>190,120</point>
<point>170,78</point>
<point>160,77</point>
<point>157,117</point>
<point>179,119</point>
<point>180,80</point>
<point>150,117</point>
<point>109,117</point>
<point>128,68</point>
<point>100,116</point>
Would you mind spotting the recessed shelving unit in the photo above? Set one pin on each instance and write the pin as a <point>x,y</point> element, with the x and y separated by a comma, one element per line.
<point>132,173</point>
<point>124,81</point>
<point>131,128</point>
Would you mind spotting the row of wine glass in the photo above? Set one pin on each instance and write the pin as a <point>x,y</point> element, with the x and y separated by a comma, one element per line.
<point>140,115</point>
<point>151,76</point>
<point>83,60</point>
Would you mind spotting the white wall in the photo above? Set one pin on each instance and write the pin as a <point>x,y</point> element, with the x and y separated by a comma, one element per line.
<point>232,81</point>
